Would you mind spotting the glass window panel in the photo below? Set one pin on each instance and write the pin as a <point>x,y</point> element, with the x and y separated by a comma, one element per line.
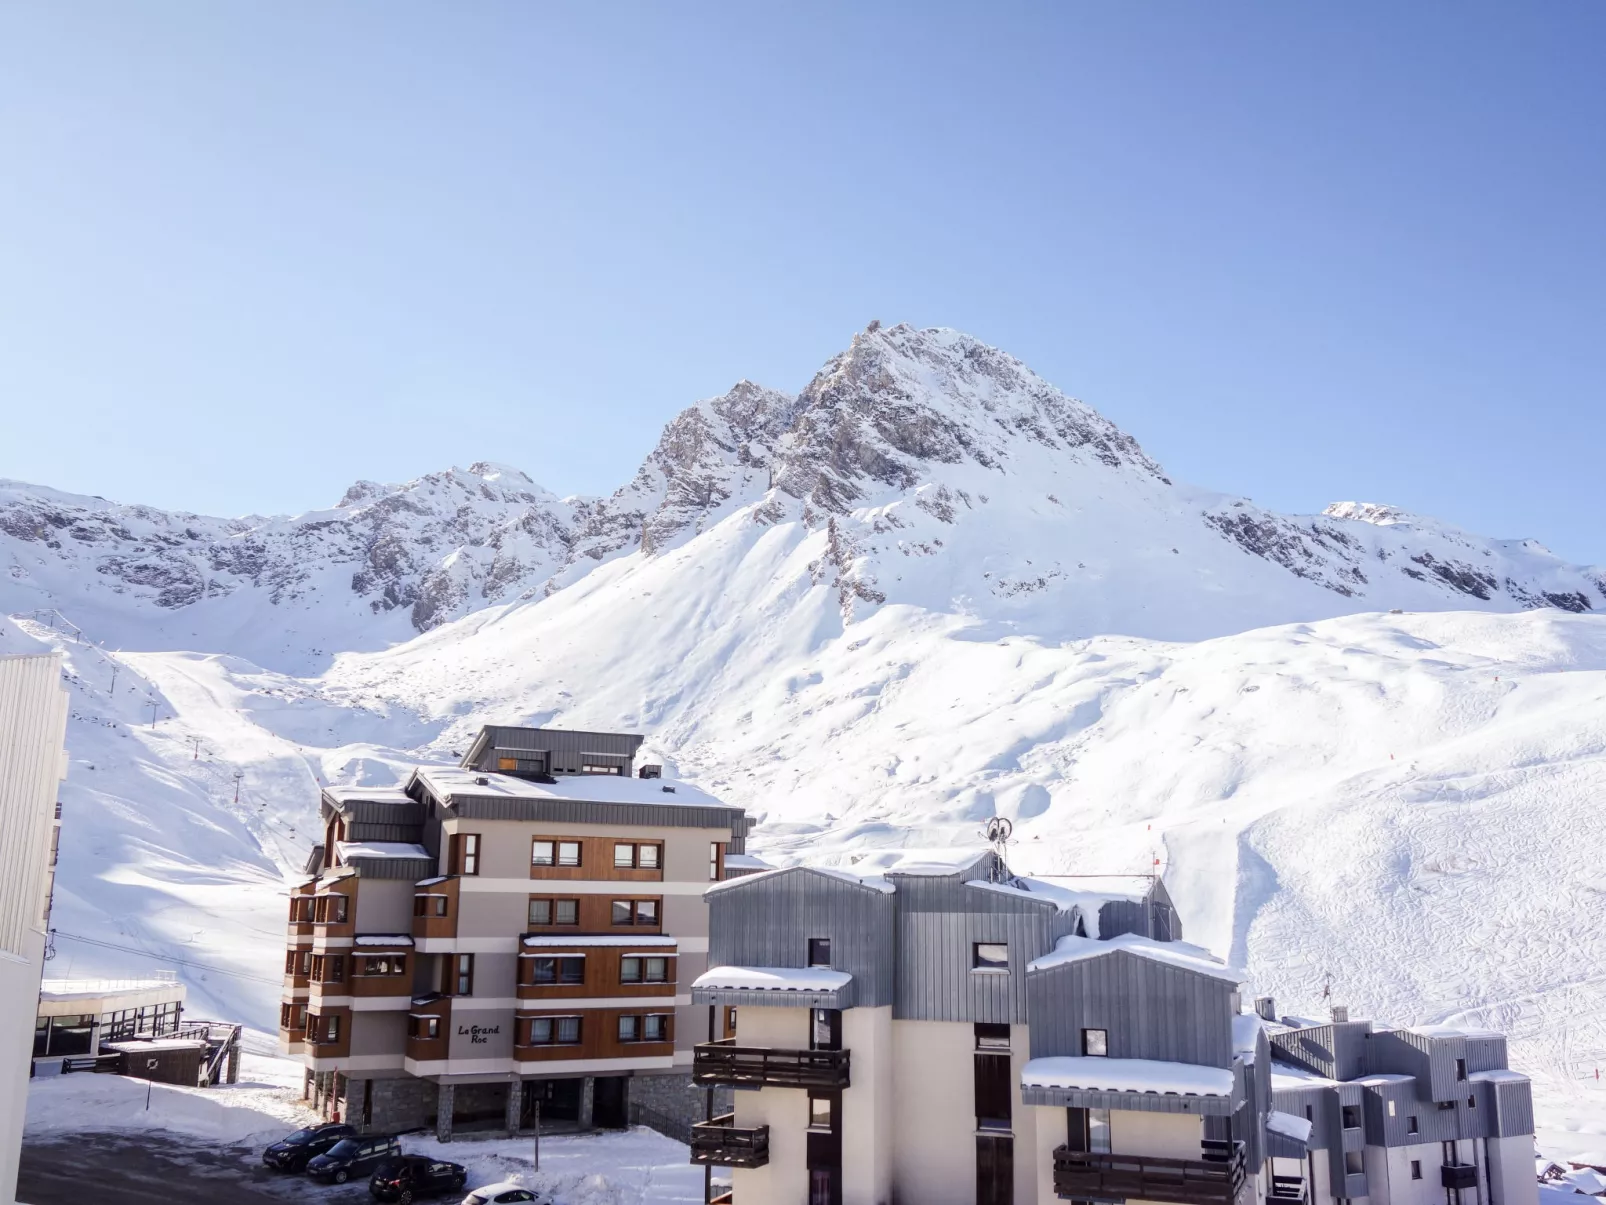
<point>540,912</point>
<point>568,1030</point>
<point>568,912</point>
<point>568,853</point>
<point>543,853</point>
<point>657,970</point>
<point>623,912</point>
<point>647,857</point>
<point>624,855</point>
<point>630,970</point>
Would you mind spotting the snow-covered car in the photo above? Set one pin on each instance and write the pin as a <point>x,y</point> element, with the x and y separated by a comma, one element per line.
<point>411,1177</point>
<point>506,1193</point>
<point>293,1152</point>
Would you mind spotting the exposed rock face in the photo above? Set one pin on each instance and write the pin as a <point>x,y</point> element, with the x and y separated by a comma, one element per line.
<point>929,466</point>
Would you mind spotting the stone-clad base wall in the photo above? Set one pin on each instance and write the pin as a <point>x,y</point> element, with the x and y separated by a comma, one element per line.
<point>394,1105</point>
<point>675,1100</point>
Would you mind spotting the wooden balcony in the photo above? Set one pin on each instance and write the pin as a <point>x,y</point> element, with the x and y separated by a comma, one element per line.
<point>761,1067</point>
<point>1458,1175</point>
<point>1214,1179</point>
<point>723,1143</point>
<point>1286,1190</point>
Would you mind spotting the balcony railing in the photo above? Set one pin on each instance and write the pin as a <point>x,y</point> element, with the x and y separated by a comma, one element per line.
<point>1458,1175</point>
<point>1286,1190</point>
<point>1212,1180</point>
<point>761,1067</point>
<point>723,1143</point>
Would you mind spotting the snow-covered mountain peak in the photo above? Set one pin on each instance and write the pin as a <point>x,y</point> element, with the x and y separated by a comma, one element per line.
<point>1379,513</point>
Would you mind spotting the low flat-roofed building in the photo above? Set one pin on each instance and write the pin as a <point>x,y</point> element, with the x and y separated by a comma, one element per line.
<point>78,1017</point>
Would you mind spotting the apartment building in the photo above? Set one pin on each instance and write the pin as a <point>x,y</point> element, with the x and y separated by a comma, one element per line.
<point>944,1031</point>
<point>510,937</point>
<point>33,761</point>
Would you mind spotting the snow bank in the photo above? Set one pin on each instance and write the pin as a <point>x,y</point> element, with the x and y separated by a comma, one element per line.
<point>239,1114</point>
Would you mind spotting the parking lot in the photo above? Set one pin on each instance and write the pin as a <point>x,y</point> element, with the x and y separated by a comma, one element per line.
<point>161,1169</point>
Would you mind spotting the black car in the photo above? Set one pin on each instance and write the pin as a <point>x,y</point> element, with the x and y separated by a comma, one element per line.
<point>414,1176</point>
<point>353,1157</point>
<point>293,1152</point>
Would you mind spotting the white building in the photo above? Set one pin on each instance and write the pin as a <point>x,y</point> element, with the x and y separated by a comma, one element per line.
<point>33,760</point>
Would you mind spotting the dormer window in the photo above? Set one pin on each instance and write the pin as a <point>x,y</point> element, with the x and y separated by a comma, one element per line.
<point>990,956</point>
<point>819,951</point>
<point>1096,1042</point>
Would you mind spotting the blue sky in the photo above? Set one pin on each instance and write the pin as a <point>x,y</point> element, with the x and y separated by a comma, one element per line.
<point>253,252</point>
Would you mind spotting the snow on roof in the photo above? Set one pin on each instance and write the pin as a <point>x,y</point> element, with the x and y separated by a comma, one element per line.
<point>774,979</point>
<point>558,943</point>
<point>1246,1029</point>
<point>1390,1077</point>
<point>1453,1031</point>
<point>1132,887</point>
<point>944,861</point>
<point>367,794</point>
<point>136,1045</point>
<point>383,939</point>
<point>1092,1074</point>
<point>1173,953</point>
<point>1287,1076</point>
<point>346,850</point>
<point>440,878</point>
<point>873,881</point>
<point>95,989</point>
<point>1499,1075</point>
<point>448,782</point>
<point>1289,1126</point>
<point>746,862</point>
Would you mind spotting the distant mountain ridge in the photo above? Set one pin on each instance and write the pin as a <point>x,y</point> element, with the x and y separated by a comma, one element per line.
<point>908,446</point>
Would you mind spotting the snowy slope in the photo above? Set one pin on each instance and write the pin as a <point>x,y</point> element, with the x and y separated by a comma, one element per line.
<point>927,589</point>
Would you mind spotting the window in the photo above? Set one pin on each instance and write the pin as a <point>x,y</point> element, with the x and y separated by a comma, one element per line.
<point>630,855</point>
<point>635,912</point>
<point>989,956</point>
<point>1446,1104</point>
<point>382,964</point>
<point>594,768</point>
<point>290,962</point>
<point>1410,1125</point>
<point>1472,1102</point>
<point>329,968</point>
<point>1096,1042</point>
<point>462,975</point>
<point>819,951</point>
<point>714,861</point>
<point>628,1028</point>
<point>636,969</point>
<point>822,1112</point>
<point>424,1028</point>
<point>993,1090</point>
<point>554,912</point>
<point>1416,1169</point>
<point>330,910</point>
<point>1098,1130</point>
<point>554,1031</point>
<point>995,1169</point>
<point>570,969</point>
<point>825,1029</point>
<point>554,853</point>
<point>429,905</point>
<point>655,1027</point>
<point>328,1028</point>
<point>991,1037</point>
<point>465,848</point>
<point>1461,1069</point>
<point>1352,1117</point>
<point>1391,1108</point>
<point>1354,1163</point>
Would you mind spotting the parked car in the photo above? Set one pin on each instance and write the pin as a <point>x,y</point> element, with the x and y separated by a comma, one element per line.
<point>506,1193</point>
<point>293,1152</point>
<point>353,1157</point>
<point>413,1176</point>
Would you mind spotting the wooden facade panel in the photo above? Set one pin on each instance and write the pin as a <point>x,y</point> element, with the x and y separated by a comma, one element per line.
<point>599,1035</point>
<point>603,974</point>
<point>597,859</point>
<point>595,912</point>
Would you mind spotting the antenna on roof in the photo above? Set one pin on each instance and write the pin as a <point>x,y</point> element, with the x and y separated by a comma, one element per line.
<point>998,832</point>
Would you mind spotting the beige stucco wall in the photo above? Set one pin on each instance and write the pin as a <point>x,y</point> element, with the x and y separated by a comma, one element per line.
<point>1164,1135</point>
<point>384,906</point>
<point>1050,1125</point>
<point>934,1124</point>
<point>379,1033</point>
<point>867,1108</point>
<point>1511,1171</point>
<point>784,1181</point>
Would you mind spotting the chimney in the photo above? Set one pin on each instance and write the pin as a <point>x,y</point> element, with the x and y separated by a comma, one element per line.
<point>650,771</point>
<point>1340,1013</point>
<point>1266,1008</point>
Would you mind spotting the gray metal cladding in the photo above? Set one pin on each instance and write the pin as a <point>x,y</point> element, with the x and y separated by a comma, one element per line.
<point>1149,1009</point>
<point>1123,916</point>
<point>567,748</point>
<point>1486,1052</point>
<point>1513,1107</point>
<point>767,921</point>
<point>378,811</point>
<point>1133,1102</point>
<point>846,996</point>
<point>1431,1058</point>
<point>411,869</point>
<point>406,834</point>
<point>314,860</point>
<point>579,811</point>
<point>940,920</point>
<point>1336,1051</point>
